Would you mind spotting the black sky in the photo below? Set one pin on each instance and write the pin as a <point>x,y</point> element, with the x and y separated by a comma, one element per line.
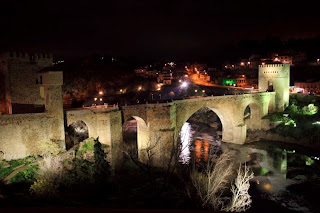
<point>151,27</point>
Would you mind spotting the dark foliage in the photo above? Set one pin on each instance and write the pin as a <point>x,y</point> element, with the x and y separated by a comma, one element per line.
<point>101,166</point>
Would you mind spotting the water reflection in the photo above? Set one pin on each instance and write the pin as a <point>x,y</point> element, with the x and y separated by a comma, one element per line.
<point>185,137</point>
<point>196,142</point>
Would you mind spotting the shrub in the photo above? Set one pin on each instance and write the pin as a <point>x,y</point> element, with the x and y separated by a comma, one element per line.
<point>44,188</point>
<point>101,166</point>
<point>212,182</point>
<point>28,175</point>
<point>241,200</point>
<point>49,177</point>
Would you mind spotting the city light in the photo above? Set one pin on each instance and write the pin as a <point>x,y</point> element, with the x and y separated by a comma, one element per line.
<point>249,63</point>
<point>159,87</point>
<point>242,63</point>
<point>100,99</point>
<point>121,90</point>
<point>180,81</point>
<point>203,91</point>
<point>95,99</point>
<point>184,84</point>
<point>139,88</point>
<point>100,93</point>
<point>186,76</point>
<point>195,90</point>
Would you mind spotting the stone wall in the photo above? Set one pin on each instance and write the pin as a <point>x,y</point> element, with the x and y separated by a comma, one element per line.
<point>5,100</point>
<point>22,135</point>
<point>276,137</point>
<point>22,69</point>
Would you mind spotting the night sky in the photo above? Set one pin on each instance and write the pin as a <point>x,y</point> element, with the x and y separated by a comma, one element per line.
<point>144,28</point>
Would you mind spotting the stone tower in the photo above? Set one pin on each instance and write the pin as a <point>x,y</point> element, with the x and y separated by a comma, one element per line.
<point>276,78</point>
<point>50,83</point>
<point>5,99</point>
<point>18,73</point>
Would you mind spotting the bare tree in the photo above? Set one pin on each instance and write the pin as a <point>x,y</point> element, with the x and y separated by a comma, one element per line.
<point>213,181</point>
<point>241,200</point>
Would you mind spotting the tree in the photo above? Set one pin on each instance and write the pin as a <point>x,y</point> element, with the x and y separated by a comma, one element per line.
<point>101,165</point>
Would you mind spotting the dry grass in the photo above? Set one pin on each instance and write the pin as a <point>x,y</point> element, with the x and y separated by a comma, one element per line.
<point>213,181</point>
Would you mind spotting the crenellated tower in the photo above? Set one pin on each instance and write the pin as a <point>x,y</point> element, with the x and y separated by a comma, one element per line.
<point>18,74</point>
<point>276,78</point>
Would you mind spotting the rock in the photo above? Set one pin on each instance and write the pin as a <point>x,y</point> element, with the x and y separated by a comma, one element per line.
<point>1,156</point>
<point>300,177</point>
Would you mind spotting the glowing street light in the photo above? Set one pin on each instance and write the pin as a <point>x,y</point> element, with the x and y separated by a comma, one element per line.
<point>100,99</point>
<point>184,84</point>
<point>180,81</point>
<point>195,90</point>
<point>121,90</point>
<point>203,91</point>
<point>100,93</point>
<point>139,88</point>
<point>95,99</point>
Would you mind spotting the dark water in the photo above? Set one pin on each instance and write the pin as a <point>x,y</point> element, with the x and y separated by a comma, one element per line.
<point>286,176</point>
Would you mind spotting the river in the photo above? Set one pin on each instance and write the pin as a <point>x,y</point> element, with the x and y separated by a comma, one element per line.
<point>286,176</point>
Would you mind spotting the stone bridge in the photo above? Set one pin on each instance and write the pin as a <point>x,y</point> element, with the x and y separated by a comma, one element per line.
<point>104,123</point>
<point>158,125</point>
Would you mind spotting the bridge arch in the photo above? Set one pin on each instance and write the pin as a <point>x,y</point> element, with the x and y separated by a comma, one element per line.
<point>271,106</point>
<point>227,125</point>
<point>252,113</point>
<point>199,134</point>
<point>142,137</point>
<point>76,132</point>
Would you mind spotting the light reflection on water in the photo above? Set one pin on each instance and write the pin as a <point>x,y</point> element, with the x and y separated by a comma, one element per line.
<point>197,142</point>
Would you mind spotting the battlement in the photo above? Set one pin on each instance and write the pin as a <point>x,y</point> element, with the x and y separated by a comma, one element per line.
<point>27,56</point>
<point>273,65</point>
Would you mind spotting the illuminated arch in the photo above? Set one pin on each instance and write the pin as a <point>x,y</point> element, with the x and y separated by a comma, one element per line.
<point>227,127</point>
<point>76,132</point>
<point>142,134</point>
<point>253,120</point>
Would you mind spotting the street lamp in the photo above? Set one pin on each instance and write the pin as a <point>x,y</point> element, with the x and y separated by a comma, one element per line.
<point>184,84</point>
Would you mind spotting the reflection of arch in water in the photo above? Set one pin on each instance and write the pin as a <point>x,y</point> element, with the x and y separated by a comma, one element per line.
<point>76,132</point>
<point>135,137</point>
